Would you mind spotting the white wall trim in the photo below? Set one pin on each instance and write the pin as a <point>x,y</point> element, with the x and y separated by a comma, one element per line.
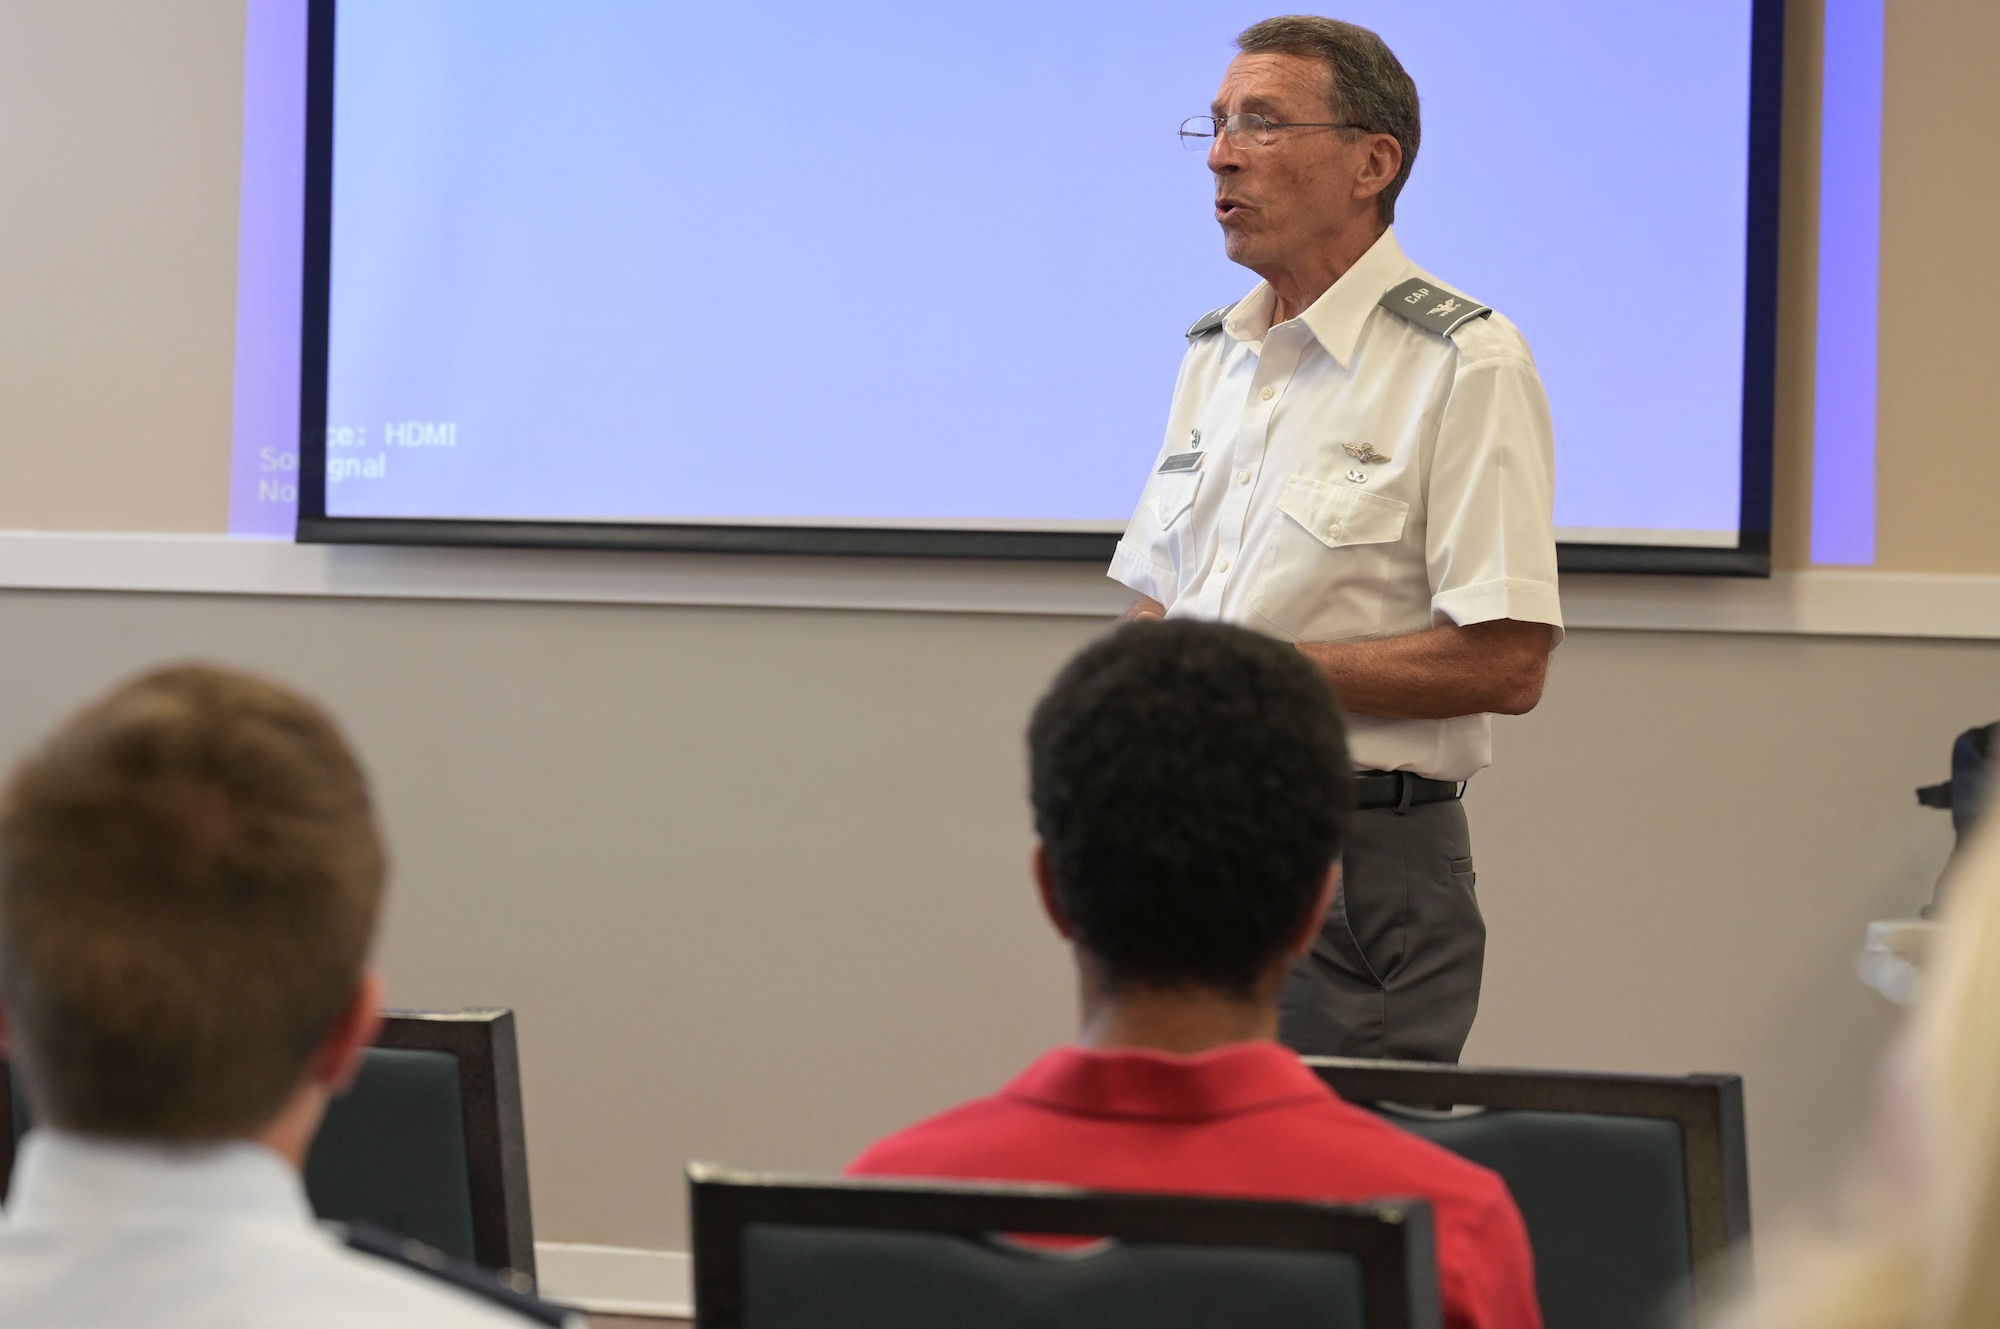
<point>1821,601</point>
<point>615,1280</point>
<point>1838,602</point>
<point>218,565</point>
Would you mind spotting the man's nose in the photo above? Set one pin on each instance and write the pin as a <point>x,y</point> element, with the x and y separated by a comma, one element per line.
<point>1224,156</point>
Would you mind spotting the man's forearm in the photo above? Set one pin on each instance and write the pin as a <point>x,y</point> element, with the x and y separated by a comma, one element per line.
<point>1143,607</point>
<point>1440,672</point>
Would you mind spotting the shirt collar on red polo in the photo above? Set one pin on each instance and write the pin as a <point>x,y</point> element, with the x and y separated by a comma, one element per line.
<point>1142,1084</point>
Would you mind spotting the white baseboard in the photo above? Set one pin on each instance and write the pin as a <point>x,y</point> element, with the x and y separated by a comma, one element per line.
<point>615,1280</point>
<point>1819,601</point>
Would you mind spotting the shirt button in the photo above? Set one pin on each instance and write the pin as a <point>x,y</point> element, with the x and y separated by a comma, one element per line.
<point>1270,393</point>
<point>1223,566</point>
<point>1243,477</point>
<point>1333,530</point>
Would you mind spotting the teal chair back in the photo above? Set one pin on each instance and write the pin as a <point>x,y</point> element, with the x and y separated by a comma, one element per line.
<point>392,1152</point>
<point>1631,1186</point>
<point>427,1143</point>
<point>802,1253</point>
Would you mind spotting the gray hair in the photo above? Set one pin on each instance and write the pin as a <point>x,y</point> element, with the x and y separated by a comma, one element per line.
<point>1370,86</point>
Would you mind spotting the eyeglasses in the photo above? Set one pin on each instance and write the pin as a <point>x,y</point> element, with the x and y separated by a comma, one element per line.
<point>1245,129</point>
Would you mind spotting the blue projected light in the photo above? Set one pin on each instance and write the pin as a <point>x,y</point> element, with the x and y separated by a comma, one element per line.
<point>1850,236</point>
<point>888,266</point>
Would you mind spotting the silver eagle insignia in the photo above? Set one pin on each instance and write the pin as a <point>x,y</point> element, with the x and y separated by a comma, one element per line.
<point>1362,452</point>
<point>1448,307</point>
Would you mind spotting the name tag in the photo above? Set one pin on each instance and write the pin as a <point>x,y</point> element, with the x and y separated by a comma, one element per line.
<point>1181,461</point>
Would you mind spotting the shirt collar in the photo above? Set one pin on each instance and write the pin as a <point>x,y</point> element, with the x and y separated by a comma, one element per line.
<point>1162,1086</point>
<point>73,1179</point>
<point>1335,318</point>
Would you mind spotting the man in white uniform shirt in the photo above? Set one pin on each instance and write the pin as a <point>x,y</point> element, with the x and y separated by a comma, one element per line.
<point>189,880</point>
<point>1359,460</point>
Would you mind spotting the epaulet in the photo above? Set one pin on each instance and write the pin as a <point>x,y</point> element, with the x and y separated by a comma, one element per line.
<point>1431,307</point>
<point>509,1289</point>
<point>1208,322</point>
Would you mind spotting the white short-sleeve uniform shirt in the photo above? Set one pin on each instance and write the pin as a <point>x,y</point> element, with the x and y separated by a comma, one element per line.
<point>1360,475</point>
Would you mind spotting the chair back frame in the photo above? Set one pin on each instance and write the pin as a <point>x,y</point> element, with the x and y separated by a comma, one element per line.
<point>1390,1240</point>
<point>1708,1108</point>
<point>496,1141</point>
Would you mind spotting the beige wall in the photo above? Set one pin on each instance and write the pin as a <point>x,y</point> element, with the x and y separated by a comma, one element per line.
<point>754,879</point>
<point>1938,455</point>
<point>120,126</point>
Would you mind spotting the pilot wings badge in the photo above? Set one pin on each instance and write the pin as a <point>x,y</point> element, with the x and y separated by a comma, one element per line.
<point>1362,452</point>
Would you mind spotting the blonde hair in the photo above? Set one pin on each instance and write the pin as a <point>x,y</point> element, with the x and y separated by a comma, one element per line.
<point>1921,1249</point>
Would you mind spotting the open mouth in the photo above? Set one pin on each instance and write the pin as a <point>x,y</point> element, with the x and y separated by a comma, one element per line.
<point>1226,208</point>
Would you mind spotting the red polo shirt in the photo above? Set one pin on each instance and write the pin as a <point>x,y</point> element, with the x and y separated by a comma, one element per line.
<point>1248,1119</point>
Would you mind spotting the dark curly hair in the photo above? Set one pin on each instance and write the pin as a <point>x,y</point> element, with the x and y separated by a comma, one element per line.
<point>1191,788</point>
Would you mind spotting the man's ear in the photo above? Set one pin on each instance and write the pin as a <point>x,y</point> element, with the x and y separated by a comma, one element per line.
<point>1303,943</point>
<point>1038,863</point>
<point>1379,167</point>
<point>334,1066</point>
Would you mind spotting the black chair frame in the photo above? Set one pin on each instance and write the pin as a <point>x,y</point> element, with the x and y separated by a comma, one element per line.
<point>1391,1240</point>
<point>483,1042</point>
<point>496,1142</point>
<point>1708,1108</point>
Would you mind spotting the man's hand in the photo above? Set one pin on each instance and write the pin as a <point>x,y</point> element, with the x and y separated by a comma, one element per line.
<point>1438,673</point>
<point>1143,607</point>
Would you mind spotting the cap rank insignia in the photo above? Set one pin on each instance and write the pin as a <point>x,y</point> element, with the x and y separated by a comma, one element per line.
<point>1430,306</point>
<point>1208,322</point>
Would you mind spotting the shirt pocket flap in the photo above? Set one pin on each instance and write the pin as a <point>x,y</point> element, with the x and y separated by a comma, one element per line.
<point>1337,515</point>
<point>1172,496</point>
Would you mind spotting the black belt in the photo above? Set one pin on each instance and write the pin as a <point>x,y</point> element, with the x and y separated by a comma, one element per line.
<point>1400,789</point>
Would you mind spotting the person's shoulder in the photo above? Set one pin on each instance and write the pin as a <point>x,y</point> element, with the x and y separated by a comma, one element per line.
<point>1439,313</point>
<point>1209,323</point>
<point>250,1274</point>
<point>1495,339</point>
<point>937,1145</point>
<point>391,1281</point>
<point>1210,345</point>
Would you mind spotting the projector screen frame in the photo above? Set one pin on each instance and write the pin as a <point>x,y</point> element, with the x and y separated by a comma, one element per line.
<point>1751,556</point>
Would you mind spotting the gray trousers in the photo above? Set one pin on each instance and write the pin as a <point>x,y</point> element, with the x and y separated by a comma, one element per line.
<point>1395,972</point>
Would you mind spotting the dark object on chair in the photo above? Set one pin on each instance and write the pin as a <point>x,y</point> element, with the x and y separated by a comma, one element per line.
<point>789,1252</point>
<point>1964,795</point>
<point>1971,771</point>
<point>1631,1185</point>
<point>428,1143</point>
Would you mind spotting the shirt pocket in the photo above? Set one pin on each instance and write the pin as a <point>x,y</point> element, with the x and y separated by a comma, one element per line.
<point>1172,496</point>
<point>1329,561</point>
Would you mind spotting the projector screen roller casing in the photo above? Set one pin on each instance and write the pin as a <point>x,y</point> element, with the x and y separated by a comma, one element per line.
<point>888,279</point>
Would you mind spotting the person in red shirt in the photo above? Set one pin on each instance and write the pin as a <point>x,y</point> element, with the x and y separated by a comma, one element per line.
<point>1190,785</point>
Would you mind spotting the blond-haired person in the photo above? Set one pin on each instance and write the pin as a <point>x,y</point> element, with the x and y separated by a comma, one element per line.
<point>1920,1244</point>
<point>190,874</point>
